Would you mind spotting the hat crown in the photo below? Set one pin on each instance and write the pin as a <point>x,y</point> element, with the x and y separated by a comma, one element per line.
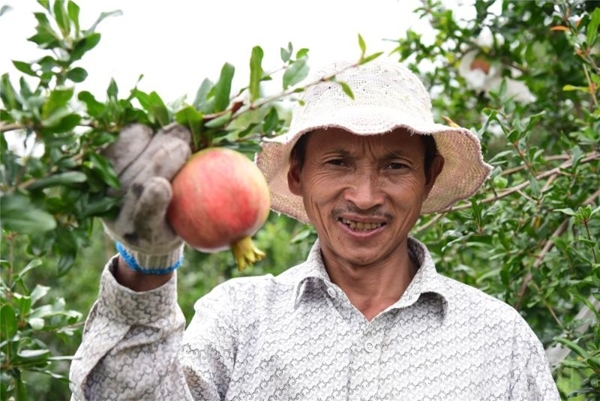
<point>377,85</point>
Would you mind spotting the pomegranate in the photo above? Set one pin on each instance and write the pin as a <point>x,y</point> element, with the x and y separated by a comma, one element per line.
<point>220,199</point>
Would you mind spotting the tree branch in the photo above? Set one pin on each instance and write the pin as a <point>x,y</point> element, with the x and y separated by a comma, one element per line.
<point>549,173</point>
<point>547,247</point>
<point>557,353</point>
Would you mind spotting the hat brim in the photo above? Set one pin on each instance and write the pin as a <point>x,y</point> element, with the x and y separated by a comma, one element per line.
<point>463,173</point>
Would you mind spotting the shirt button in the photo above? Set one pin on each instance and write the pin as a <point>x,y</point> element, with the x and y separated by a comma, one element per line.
<point>369,347</point>
<point>332,293</point>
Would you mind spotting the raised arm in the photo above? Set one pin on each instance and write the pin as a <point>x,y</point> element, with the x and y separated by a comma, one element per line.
<point>133,334</point>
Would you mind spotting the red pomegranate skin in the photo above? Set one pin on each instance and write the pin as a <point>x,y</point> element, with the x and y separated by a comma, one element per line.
<point>219,198</point>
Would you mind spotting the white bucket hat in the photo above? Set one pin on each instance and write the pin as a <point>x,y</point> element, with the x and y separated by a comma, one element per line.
<point>387,96</point>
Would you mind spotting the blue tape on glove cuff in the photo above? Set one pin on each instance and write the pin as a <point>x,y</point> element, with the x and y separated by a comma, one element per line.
<point>133,264</point>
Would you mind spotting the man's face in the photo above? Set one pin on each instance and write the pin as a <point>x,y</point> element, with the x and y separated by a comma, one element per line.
<point>363,194</point>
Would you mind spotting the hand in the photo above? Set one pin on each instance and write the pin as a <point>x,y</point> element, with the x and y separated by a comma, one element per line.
<point>145,164</point>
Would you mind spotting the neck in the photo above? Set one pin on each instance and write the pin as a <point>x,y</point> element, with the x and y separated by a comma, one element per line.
<point>372,289</point>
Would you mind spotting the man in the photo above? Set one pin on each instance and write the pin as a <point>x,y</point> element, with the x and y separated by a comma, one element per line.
<point>366,317</point>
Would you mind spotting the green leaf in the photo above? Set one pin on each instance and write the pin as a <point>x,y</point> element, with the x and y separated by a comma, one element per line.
<point>113,90</point>
<point>31,100</point>
<point>295,73</point>
<point>70,177</point>
<point>65,262</point>
<point>94,108</point>
<point>256,72</point>
<point>285,55</point>
<point>36,323</point>
<point>104,15</point>
<point>19,215</point>
<point>101,206</point>
<point>201,102</point>
<point>64,124</point>
<point>62,18</point>
<point>157,109</point>
<point>8,322</point>
<point>535,186</point>
<point>592,28</point>
<point>38,293</point>
<point>24,68</point>
<point>568,88</point>
<point>77,74</point>
<point>302,53</point>
<point>9,96</point>
<point>219,121</point>
<point>362,45</point>
<point>346,88</point>
<point>30,266</point>
<point>223,88</point>
<point>103,168</point>
<point>568,211</point>
<point>370,58</point>
<point>191,118</point>
<point>73,10</point>
<point>32,355</point>
<point>45,36</point>
<point>4,9</point>
<point>22,304</point>
<point>45,4</point>
<point>574,347</point>
<point>58,99</point>
<point>84,45</point>
<point>270,121</point>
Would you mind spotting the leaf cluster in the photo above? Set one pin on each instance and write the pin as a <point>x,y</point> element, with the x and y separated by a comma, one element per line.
<point>530,236</point>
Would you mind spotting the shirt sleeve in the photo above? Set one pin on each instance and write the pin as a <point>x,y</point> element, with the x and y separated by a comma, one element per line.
<point>131,344</point>
<point>531,373</point>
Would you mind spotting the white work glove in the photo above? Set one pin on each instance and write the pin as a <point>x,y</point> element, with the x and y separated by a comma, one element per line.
<point>145,164</point>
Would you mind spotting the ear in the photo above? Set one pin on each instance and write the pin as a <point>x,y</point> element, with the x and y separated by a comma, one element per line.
<point>293,177</point>
<point>436,168</point>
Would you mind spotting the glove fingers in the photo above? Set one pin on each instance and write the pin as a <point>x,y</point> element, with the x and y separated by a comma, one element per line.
<point>132,142</point>
<point>164,157</point>
<point>176,131</point>
<point>144,214</point>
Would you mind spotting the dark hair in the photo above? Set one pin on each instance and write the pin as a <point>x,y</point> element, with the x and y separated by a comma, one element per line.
<point>299,151</point>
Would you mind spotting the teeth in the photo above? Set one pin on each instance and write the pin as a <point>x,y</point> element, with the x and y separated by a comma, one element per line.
<point>360,226</point>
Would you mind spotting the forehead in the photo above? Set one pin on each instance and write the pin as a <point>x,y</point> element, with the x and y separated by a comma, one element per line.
<point>399,140</point>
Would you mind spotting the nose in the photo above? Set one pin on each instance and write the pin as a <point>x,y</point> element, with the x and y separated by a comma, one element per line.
<point>363,189</point>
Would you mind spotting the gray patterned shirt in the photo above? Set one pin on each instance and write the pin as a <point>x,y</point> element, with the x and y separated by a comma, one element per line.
<point>297,337</point>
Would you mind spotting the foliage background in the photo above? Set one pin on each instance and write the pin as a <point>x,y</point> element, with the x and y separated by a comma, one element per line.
<point>529,237</point>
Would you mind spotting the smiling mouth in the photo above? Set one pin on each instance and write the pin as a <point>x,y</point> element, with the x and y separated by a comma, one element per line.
<point>360,226</point>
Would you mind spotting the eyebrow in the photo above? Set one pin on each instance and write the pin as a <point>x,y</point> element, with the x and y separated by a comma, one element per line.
<point>390,154</point>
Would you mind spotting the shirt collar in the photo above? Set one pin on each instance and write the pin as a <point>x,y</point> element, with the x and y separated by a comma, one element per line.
<point>426,280</point>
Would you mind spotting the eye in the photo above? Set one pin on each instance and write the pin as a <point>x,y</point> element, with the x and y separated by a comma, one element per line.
<point>336,162</point>
<point>397,166</point>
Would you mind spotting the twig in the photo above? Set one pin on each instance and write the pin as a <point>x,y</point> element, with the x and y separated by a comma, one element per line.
<point>52,170</point>
<point>11,127</point>
<point>511,170</point>
<point>555,171</point>
<point>429,223</point>
<point>591,86</point>
<point>557,353</point>
<point>548,183</point>
<point>290,91</point>
<point>547,247</point>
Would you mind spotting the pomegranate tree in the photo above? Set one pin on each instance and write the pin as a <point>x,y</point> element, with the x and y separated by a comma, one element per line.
<point>220,199</point>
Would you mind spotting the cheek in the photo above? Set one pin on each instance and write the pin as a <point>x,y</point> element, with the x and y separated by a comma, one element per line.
<point>409,191</point>
<point>319,184</point>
